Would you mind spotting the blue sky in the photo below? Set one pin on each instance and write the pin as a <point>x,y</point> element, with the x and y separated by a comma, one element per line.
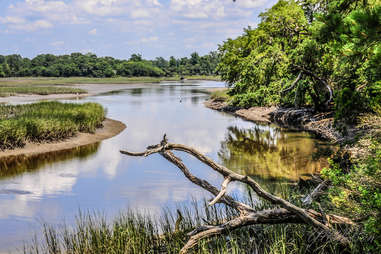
<point>119,28</point>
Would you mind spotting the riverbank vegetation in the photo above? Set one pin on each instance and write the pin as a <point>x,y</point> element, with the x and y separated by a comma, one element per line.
<point>309,53</point>
<point>136,232</point>
<point>89,65</point>
<point>324,55</point>
<point>51,81</point>
<point>46,121</point>
<point>11,90</point>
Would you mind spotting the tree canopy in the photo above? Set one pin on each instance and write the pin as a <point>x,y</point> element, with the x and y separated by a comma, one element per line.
<point>309,53</point>
<point>89,65</point>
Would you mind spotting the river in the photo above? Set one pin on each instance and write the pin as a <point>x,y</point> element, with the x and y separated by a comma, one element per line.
<point>54,187</point>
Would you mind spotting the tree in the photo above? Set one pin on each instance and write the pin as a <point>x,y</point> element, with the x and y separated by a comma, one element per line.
<point>136,58</point>
<point>2,73</point>
<point>6,69</point>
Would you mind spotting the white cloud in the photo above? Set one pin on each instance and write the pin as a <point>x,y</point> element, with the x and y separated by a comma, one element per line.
<point>198,9</point>
<point>19,23</point>
<point>93,31</point>
<point>251,3</point>
<point>12,20</point>
<point>140,13</point>
<point>210,21</point>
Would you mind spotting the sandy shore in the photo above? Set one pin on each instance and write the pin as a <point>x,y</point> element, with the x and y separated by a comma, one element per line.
<point>110,129</point>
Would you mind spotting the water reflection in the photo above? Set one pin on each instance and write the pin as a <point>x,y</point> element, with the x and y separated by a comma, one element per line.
<point>272,154</point>
<point>15,165</point>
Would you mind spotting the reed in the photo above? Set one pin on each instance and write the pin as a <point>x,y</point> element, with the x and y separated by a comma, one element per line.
<point>46,121</point>
<point>136,232</point>
<point>11,90</point>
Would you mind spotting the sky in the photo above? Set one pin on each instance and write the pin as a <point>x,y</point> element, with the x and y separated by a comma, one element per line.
<point>119,28</point>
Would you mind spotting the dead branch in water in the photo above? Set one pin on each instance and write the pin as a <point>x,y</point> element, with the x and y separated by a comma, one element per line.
<point>316,192</point>
<point>287,213</point>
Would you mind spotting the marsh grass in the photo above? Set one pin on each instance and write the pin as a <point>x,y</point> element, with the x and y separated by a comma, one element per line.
<point>136,232</point>
<point>86,80</point>
<point>46,121</point>
<point>11,90</point>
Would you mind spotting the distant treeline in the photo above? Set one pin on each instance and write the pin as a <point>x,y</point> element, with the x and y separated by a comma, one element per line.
<point>89,65</point>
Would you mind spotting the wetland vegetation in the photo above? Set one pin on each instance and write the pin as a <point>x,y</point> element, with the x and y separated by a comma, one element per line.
<point>11,90</point>
<point>46,121</point>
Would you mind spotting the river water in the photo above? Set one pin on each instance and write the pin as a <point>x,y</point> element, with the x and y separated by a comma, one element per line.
<point>53,188</point>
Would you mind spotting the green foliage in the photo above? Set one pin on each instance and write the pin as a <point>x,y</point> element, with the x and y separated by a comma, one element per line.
<point>348,104</point>
<point>356,191</point>
<point>257,62</point>
<point>46,121</point>
<point>332,44</point>
<point>89,65</point>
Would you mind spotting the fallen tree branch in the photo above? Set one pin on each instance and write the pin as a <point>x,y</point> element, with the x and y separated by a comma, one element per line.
<point>222,192</point>
<point>316,192</point>
<point>288,213</point>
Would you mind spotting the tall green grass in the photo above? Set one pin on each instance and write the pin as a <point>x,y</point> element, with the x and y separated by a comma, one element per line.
<point>46,121</point>
<point>11,90</point>
<point>136,232</point>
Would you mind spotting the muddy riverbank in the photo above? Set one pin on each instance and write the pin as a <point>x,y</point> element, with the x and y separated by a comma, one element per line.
<point>320,124</point>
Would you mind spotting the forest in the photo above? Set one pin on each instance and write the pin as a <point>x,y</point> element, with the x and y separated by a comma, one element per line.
<point>314,53</point>
<point>89,65</point>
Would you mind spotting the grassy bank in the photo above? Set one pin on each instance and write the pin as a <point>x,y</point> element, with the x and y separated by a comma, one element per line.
<point>134,232</point>
<point>11,90</point>
<point>46,121</point>
<point>84,80</point>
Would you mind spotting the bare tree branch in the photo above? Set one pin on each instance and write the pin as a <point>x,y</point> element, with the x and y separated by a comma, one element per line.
<point>289,213</point>
<point>316,192</point>
<point>222,192</point>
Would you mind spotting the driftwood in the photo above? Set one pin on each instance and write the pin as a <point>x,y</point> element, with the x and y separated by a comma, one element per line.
<point>285,212</point>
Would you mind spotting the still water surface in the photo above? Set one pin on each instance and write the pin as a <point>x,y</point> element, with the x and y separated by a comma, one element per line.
<point>53,187</point>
